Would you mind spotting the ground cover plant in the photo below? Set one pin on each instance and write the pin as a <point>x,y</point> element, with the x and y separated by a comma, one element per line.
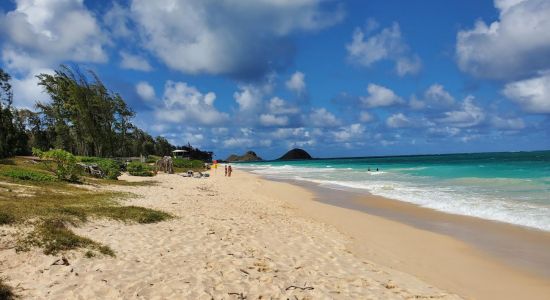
<point>50,208</point>
<point>137,168</point>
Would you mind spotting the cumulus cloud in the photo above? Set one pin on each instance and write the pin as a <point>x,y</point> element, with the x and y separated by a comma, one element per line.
<point>398,120</point>
<point>44,33</point>
<point>134,62</point>
<point>26,91</point>
<point>514,47</point>
<point>244,39</point>
<point>321,117</point>
<point>388,44</point>
<point>347,133</point>
<point>468,115</point>
<point>145,91</point>
<point>273,120</point>
<point>185,104</point>
<point>279,106</point>
<point>297,83</point>
<point>380,96</point>
<point>435,97</point>
<point>533,94</point>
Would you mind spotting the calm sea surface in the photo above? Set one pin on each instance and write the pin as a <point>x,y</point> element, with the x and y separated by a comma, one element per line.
<point>507,187</point>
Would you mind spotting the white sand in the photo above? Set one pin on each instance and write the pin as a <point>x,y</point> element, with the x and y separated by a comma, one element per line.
<point>230,239</point>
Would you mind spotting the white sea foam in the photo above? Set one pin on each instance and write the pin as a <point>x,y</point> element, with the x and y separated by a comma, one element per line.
<point>463,196</point>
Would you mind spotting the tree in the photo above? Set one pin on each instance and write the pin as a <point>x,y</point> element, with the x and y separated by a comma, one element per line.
<point>12,132</point>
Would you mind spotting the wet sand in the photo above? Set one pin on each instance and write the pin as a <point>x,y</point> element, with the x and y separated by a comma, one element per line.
<point>469,256</point>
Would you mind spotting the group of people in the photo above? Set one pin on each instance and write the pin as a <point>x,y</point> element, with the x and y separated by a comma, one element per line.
<point>228,170</point>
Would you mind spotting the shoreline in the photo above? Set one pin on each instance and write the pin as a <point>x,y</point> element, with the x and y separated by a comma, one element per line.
<point>520,246</point>
<point>452,264</point>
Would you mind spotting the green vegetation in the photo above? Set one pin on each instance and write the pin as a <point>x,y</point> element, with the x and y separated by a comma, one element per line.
<point>6,291</point>
<point>136,168</point>
<point>61,162</point>
<point>51,207</point>
<point>188,164</point>
<point>26,174</point>
<point>110,167</point>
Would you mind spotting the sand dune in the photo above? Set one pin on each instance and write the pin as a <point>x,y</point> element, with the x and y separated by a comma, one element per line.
<point>230,240</point>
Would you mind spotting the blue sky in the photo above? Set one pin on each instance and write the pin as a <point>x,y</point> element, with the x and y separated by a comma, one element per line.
<point>337,78</point>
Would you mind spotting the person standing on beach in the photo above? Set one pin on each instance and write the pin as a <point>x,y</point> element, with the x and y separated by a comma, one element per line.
<point>229,170</point>
<point>225,170</point>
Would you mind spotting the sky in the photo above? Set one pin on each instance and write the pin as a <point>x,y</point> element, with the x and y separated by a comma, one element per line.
<point>336,78</point>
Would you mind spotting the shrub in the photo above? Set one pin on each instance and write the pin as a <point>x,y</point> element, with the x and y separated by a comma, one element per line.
<point>136,168</point>
<point>151,159</point>
<point>23,174</point>
<point>110,168</point>
<point>65,163</point>
<point>188,164</point>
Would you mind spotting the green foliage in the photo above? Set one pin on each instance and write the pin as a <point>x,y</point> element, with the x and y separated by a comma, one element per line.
<point>110,167</point>
<point>13,139</point>
<point>25,174</point>
<point>151,159</point>
<point>136,168</point>
<point>188,164</point>
<point>65,163</point>
<point>6,291</point>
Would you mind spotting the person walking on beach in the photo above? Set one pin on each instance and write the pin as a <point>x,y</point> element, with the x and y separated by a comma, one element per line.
<point>225,170</point>
<point>229,171</point>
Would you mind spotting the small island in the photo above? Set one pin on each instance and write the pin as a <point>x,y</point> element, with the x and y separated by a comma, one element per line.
<point>295,154</point>
<point>248,156</point>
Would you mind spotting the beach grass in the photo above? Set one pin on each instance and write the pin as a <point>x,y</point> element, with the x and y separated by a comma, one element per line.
<point>51,207</point>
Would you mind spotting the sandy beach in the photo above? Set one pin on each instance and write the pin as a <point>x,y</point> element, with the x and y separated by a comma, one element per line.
<point>245,237</point>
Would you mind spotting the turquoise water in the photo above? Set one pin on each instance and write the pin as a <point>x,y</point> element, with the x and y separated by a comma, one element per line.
<point>507,187</point>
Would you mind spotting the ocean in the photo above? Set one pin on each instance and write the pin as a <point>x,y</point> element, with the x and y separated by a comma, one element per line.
<point>511,187</point>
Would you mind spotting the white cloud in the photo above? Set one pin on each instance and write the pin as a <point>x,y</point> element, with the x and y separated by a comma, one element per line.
<point>515,46</point>
<point>398,120</point>
<point>533,95</point>
<point>185,104</point>
<point>134,62</point>
<point>26,91</point>
<point>469,115</point>
<point>380,96</point>
<point>322,118</point>
<point>241,38</point>
<point>51,32</point>
<point>435,97</point>
<point>388,44</point>
<point>365,116</point>
<point>507,123</point>
<point>117,20</point>
<point>351,132</point>
<point>279,106</point>
<point>238,143</point>
<point>145,91</point>
<point>248,97</point>
<point>272,120</point>
<point>297,83</point>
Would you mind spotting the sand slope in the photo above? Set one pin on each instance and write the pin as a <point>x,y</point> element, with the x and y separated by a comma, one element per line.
<point>230,240</point>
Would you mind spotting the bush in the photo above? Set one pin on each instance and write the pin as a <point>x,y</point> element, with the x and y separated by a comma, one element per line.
<point>188,164</point>
<point>136,168</point>
<point>65,163</point>
<point>151,159</point>
<point>23,174</point>
<point>110,167</point>
<point>6,219</point>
